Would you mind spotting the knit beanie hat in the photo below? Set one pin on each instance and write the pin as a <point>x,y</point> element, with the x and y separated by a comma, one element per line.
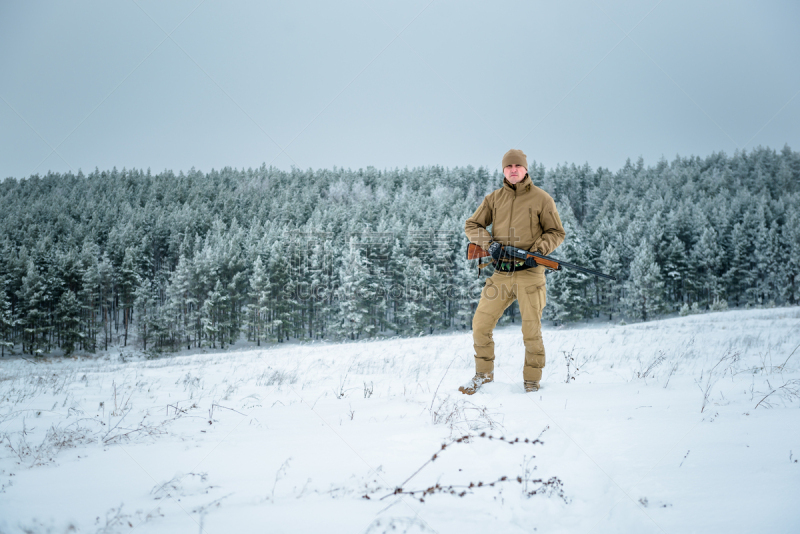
<point>515,156</point>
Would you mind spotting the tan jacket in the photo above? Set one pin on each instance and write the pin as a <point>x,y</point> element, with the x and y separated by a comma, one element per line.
<point>522,216</point>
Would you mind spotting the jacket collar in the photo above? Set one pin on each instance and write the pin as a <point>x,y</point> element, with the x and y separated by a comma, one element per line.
<point>520,188</point>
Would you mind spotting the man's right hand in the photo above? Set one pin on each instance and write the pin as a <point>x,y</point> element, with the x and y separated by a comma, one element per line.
<point>496,250</point>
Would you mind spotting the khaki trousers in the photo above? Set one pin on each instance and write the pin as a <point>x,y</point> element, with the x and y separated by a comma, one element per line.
<point>501,289</point>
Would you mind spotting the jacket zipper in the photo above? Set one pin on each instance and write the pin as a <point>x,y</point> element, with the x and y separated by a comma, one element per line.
<point>530,215</point>
<point>511,221</point>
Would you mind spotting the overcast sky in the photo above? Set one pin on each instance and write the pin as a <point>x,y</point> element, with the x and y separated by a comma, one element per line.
<point>318,84</point>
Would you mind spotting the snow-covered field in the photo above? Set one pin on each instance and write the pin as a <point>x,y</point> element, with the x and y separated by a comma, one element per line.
<point>682,425</point>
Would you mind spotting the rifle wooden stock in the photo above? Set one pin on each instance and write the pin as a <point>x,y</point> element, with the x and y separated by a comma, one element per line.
<point>474,252</point>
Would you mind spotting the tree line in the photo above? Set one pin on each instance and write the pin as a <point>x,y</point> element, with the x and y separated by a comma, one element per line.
<point>173,261</point>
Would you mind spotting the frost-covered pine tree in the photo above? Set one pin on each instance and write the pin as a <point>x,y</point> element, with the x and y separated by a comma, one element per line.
<point>644,290</point>
<point>32,295</point>
<point>674,267</point>
<point>7,321</point>
<point>69,317</point>
<point>467,284</point>
<point>321,287</point>
<point>213,315</point>
<point>398,291</point>
<point>89,296</point>
<point>767,256</point>
<point>791,243</point>
<point>146,309</point>
<point>610,290</point>
<point>128,280</point>
<point>105,273</point>
<point>376,249</point>
<point>432,288</point>
<point>236,292</point>
<point>279,267</point>
<point>180,301</point>
<point>259,298</point>
<point>413,316</point>
<point>743,274</point>
<point>353,294</point>
<point>707,257</point>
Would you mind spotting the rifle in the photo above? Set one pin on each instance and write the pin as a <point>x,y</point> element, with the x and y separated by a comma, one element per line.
<point>531,259</point>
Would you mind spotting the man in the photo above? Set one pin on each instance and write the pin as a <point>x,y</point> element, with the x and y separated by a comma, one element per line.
<point>523,216</point>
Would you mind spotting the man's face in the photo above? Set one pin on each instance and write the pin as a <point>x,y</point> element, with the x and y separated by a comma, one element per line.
<point>514,173</point>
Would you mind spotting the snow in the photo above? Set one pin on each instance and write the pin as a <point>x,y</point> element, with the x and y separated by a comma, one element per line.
<point>660,430</point>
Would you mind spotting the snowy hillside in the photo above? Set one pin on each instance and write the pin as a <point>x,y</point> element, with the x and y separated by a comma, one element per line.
<point>682,425</point>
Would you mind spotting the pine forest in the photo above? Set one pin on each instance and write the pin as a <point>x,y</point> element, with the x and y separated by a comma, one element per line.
<point>167,261</point>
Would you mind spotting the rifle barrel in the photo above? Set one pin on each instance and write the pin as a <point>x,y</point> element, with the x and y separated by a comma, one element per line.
<point>577,267</point>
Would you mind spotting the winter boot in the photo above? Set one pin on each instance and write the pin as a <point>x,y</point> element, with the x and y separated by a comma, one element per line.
<point>531,385</point>
<point>476,382</point>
